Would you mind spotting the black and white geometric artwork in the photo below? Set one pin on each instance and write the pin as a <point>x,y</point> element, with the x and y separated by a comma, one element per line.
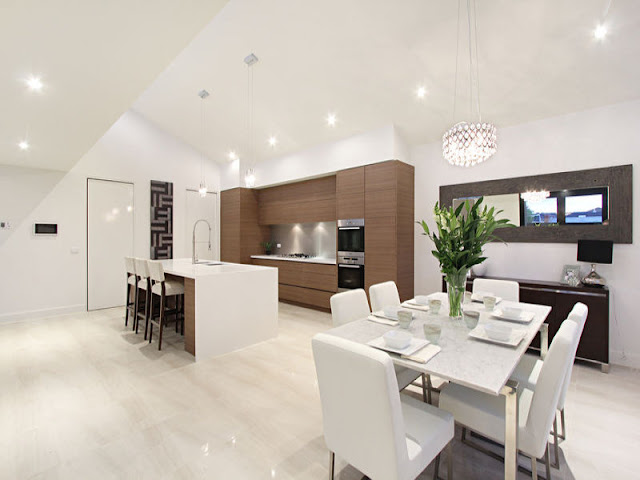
<point>161,220</point>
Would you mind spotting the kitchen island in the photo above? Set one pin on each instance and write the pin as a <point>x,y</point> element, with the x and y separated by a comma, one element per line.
<point>228,306</point>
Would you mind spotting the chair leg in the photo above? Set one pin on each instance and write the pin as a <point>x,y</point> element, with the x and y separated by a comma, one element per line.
<point>161,321</point>
<point>547,462</point>
<point>436,467</point>
<point>149,318</point>
<point>424,388</point>
<point>450,460</point>
<point>332,464</point>
<point>563,436</point>
<point>126,315</point>
<point>136,302</point>
<point>464,434</point>
<point>534,468</point>
<point>556,449</point>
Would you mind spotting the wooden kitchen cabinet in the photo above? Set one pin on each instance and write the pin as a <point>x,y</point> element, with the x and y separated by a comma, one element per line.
<point>304,283</point>
<point>389,225</point>
<point>350,193</point>
<point>300,202</point>
<point>240,234</point>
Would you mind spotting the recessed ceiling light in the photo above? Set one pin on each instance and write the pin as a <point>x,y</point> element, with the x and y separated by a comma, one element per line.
<point>421,91</point>
<point>273,141</point>
<point>600,32</point>
<point>34,83</point>
<point>24,145</point>
<point>232,155</point>
<point>331,119</point>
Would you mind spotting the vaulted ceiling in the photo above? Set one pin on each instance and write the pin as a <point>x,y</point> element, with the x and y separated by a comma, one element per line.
<point>364,59</point>
<point>95,57</point>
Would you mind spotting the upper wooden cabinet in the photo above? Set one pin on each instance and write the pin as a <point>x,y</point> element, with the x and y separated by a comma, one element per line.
<point>300,202</point>
<point>389,225</point>
<point>350,193</point>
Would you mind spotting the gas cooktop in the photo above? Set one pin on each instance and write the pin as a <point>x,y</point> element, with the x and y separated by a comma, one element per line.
<point>296,255</point>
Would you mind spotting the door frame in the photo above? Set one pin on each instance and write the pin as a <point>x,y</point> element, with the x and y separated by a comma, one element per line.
<point>133,240</point>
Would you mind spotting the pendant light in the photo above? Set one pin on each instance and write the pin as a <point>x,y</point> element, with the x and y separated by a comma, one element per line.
<point>249,176</point>
<point>469,143</point>
<point>202,190</point>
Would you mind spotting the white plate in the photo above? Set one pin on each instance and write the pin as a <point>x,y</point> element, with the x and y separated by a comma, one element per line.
<point>415,345</point>
<point>516,336</point>
<point>477,297</point>
<point>524,317</point>
<point>381,314</point>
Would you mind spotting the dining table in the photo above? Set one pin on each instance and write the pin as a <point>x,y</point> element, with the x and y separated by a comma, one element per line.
<point>478,364</point>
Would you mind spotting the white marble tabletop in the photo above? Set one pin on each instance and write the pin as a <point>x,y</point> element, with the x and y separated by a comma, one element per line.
<point>463,360</point>
<point>323,260</point>
<point>182,267</point>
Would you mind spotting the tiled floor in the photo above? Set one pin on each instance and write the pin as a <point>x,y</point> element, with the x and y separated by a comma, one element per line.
<point>83,397</point>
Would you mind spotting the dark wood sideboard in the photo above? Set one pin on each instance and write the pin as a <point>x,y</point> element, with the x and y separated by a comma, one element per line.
<point>594,343</point>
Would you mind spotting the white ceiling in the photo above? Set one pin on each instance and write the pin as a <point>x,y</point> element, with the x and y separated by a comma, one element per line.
<point>364,59</point>
<point>95,57</point>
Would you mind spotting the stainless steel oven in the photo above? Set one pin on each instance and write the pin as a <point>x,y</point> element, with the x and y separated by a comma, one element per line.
<point>350,236</point>
<point>350,271</point>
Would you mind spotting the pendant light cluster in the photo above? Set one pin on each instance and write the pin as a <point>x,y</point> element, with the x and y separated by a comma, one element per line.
<point>202,190</point>
<point>468,143</point>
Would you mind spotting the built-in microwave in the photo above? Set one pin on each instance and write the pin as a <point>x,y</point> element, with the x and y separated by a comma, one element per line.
<point>350,236</point>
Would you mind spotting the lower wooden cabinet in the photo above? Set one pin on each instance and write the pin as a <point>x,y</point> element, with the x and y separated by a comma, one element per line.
<point>305,283</point>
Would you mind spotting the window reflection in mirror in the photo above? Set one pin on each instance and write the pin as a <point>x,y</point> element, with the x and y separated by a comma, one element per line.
<point>586,206</point>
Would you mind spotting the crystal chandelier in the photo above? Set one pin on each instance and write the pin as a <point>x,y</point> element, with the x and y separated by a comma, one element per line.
<point>469,143</point>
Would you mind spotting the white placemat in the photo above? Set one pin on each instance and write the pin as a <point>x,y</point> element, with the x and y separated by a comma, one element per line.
<point>524,317</point>
<point>415,306</point>
<point>517,334</point>
<point>382,320</point>
<point>415,345</point>
<point>477,297</point>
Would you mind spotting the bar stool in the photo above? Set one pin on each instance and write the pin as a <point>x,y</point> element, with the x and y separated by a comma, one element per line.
<point>144,284</point>
<point>164,288</point>
<point>130,304</point>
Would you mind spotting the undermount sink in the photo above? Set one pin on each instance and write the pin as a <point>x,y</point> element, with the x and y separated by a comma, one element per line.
<point>209,263</point>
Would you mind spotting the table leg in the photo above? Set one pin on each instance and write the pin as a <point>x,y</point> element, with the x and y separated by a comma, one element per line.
<point>511,430</point>
<point>544,340</point>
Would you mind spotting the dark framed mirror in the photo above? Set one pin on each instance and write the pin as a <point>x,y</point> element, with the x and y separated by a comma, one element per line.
<point>563,207</point>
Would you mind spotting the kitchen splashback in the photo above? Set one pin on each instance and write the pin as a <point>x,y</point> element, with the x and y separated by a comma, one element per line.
<point>318,239</point>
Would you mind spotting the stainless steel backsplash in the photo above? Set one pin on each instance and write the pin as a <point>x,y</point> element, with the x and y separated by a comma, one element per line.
<point>317,238</point>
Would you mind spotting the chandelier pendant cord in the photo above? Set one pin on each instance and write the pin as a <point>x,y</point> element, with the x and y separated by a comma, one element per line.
<point>475,36</point>
<point>455,80</point>
<point>202,129</point>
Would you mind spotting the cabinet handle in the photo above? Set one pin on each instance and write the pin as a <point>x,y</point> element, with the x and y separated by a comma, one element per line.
<point>349,266</point>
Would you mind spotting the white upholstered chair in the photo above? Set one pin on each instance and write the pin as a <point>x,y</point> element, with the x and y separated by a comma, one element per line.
<point>505,289</point>
<point>144,285</point>
<point>163,288</point>
<point>528,371</point>
<point>353,305</point>
<point>367,422</point>
<point>130,302</point>
<point>485,413</point>
<point>349,306</point>
<point>384,295</point>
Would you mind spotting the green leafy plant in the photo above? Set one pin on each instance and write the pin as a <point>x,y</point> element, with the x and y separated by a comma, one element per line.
<point>458,238</point>
<point>268,246</point>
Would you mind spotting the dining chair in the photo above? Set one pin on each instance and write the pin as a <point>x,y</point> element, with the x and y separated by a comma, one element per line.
<point>130,303</point>
<point>144,284</point>
<point>163,288</point>
<point>384,295</point>
<point>506,289</point>
<point>485,413</point>
<point>528,370</point>
<point>353,305</point>
<point>367,422</point>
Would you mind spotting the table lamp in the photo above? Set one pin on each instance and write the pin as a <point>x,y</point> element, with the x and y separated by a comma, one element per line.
<point>593,252</point>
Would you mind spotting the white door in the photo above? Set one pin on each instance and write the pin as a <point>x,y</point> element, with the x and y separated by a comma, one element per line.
<point>203,208</point>
<point>109,240</point>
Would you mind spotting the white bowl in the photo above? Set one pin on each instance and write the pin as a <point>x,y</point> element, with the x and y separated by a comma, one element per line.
<point>422,300</point>
<point>397,339</point>
<point>511,312</point>
<point>501,333</point>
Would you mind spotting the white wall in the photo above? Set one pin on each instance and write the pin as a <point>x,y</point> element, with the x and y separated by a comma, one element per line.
<point>370,147</point>
<point>590,139</point>
<point>41,276</point>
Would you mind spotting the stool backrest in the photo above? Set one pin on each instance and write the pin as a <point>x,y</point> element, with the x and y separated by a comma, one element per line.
<point>129,265</point>
<point>142,269</point>
<point>156,272</point>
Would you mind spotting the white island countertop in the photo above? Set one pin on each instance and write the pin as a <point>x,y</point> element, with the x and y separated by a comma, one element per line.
<point>325,261</point>
<point>183,267</point>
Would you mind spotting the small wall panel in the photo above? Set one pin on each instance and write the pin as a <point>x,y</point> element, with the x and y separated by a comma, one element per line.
<point>161,220</point>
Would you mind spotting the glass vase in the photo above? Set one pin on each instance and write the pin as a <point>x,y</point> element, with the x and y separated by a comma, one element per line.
<point>456,283</point>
